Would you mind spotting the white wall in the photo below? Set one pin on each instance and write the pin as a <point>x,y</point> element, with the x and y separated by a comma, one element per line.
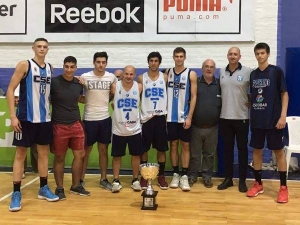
<point>121,54</point>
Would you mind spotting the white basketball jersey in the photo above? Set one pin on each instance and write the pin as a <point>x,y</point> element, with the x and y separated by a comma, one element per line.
<point>97,89</point>
<point>178,95</point>
<point>126,117</point>
<point>154,97</point>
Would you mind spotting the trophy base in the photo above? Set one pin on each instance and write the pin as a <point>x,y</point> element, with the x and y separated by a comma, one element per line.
<point>149,201</point>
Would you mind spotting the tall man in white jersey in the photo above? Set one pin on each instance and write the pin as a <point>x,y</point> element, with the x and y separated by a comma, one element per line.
<point>126,127</point>
<point>182,94</point>
<point>96,116</point>
<point>153,115</point>
<point>32,122</point>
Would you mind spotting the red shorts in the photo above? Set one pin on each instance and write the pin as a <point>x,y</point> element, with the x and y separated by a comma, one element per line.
<point>67,136</point>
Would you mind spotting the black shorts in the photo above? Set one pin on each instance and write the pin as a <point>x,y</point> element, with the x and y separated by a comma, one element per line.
<point>274,138</point>
<point>154,132</point>
<point>98,131</point>
<point>177,132</point>
<point>119,143</point>
<point>33,133</point>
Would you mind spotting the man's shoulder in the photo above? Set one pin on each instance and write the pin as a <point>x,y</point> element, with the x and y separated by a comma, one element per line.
<point>56,78</point>
<point>86,74</point>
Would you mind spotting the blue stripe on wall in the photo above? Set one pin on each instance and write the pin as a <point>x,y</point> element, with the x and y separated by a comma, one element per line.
<point>6,73</point>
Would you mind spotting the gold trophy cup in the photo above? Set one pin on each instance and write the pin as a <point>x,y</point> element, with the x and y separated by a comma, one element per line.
<point>149,172</point>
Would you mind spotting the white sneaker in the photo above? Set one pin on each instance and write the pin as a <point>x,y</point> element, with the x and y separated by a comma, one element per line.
<point>116,187</point>
<point>23,175</point>
<point>175,181</point>
<point>184,183</point>
<point>136,186</point>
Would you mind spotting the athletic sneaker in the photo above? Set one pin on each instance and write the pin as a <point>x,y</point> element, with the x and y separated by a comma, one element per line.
<point>184,183</point>
<point>283,195</point>
<point>45,193</point>
<point>79,190</point>
<point>255,190</point>
<point>60,192</point>
<point>15,204</point>
<point>175,181</point>
<point>162,182</point>
<point>143,183</point>
<point>192,180</point>
<point>136,186</point>
<point>116,187</point>
<point>105,184</point>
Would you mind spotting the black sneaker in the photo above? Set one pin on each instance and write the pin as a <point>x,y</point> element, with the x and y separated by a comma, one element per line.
<point>243,187</point>
<point>60,192</point>
<point>79,190</point>
<point>207,183</point>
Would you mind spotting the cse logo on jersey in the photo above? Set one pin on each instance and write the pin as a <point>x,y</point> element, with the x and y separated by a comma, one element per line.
<point>154,92</point>
<point>43,81</point>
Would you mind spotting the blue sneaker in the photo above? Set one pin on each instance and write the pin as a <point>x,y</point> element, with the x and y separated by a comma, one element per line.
<point>15,204</point>
<point>45,193</point>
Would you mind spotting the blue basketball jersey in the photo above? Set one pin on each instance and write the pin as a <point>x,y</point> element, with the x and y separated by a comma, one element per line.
<point>178,95</point>
<point>34,94</point>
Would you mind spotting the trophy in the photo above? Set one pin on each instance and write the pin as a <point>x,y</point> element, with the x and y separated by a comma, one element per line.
<point>149,172</point>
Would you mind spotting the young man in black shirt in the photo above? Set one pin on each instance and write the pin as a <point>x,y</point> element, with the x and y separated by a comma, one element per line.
<point>68,131</point>
<point>269,102</point>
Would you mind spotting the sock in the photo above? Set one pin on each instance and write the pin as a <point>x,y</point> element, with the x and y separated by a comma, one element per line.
<point>133,180</point>
<point>282,176</point>
<point>116,180</point>
<point>161,168</point>
<point>257,175</point>
<point>184,171</point>
<point>43,181</point>
<point>17,186</point>
<point>175,169</point>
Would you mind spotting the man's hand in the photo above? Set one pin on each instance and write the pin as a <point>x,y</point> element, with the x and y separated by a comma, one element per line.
<point>281,123</point>
<point>80,79</point>
<point>15,124</point>
<point>187,123</point>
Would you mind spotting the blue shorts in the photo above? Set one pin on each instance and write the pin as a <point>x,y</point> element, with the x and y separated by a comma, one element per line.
<point>119,143</point>
<point>33,133</point>
<point>177,132</point>
<point>98,131</point>
<point>154,132</point>
<point>274,138</point>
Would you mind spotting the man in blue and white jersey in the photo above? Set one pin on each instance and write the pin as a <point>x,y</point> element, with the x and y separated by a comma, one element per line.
<point>153,115</point>
<point>126,127</point>
<point>182,94</point>
<point>31,123</point>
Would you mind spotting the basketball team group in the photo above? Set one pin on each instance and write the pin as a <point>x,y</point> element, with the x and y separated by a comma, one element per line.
<point>166,109</point>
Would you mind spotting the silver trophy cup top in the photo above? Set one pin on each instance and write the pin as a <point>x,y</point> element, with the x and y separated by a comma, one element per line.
<point>149,170</point>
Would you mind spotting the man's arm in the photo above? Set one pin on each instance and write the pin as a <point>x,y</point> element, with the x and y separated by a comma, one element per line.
<point>112,94</point>
<point>19,73</point>
<point>284,105</point>
<point>81,99</point>
<point>193,80</point>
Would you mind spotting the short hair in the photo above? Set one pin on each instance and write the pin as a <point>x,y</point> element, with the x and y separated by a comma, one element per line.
<point>40,39</point>
<point>179,50</point>
<point>154,55</point>
<point>70,59</point>
<point>262,45</point>
<point>100,54</point>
